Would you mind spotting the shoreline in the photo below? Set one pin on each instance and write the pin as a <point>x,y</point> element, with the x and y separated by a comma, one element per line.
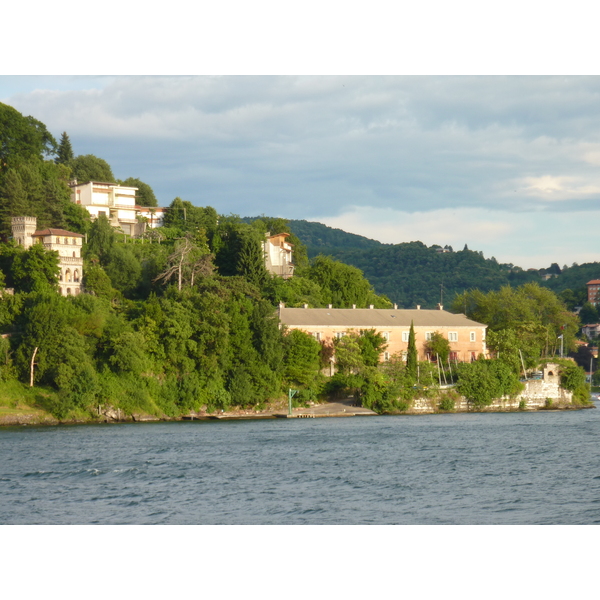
<point>333,409</point>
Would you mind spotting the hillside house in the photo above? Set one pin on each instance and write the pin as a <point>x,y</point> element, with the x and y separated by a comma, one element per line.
<point>466,337</point>
<point>593,287</point>
<point>118,204</point>
<point>278,255</point>
<point>67,243</point>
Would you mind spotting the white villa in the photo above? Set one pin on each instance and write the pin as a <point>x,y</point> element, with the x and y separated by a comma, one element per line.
<point>67,243</point>
<point>278,255</point>
<point>118,204</point>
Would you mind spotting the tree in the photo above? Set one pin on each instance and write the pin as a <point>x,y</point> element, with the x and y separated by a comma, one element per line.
<point>438,347</point>
<point>483,381</point>
<point>35,269</point>
<point>343,285</point>
<point>301,359</point>
<point>372,344</point>
<point>87,167</point>
<point>101,239</point>
<point>535,313</point>
<point>412,356</point>
<point>145,194</point>
<point>189,260</point>
<point>22,138</point>
<point>64,153</point>
<point>588,314</point>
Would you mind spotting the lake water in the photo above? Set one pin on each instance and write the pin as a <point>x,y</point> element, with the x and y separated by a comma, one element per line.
<point>503,468</point>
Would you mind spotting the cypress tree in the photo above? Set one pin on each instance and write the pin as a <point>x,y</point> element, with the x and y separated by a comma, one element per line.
<point>412,357</point>
<point>65,151</point>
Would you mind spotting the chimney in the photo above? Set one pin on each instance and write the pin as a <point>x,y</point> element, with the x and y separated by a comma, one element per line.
<point>395,307</point>
<point>305,305</point>
<point>330,306</point>
<point>371,306</point>
<point>440,306</point>
<point>418,307</point>
<point>354,306</point>
<point>282,305</point>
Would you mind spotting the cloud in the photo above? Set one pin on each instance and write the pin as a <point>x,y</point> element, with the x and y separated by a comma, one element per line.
<point>517,148</point>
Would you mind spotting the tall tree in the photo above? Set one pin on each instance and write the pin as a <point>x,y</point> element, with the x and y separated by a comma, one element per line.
<point>412,356</point>
<point>145,194</point>
<point>64,154</point>
<point>87,167</point>
<point>22,138</point>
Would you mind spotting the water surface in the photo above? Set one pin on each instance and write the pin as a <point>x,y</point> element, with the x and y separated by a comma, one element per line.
<point>502,468</point>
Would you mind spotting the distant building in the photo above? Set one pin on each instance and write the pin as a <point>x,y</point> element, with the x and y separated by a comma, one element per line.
<point>118,204</point>
<point>593,287</point>
<point>278,255</point>
<point>67,243</point>
<point>466,337</point>
<point>591,331</point>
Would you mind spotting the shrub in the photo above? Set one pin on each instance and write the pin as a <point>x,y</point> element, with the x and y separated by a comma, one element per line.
<point>447,403</point>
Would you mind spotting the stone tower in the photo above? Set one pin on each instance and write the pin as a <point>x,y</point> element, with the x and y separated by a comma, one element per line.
<point>23,229</point>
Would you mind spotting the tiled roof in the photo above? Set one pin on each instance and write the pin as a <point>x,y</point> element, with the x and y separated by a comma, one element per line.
<point>593,281</point>
<point>45,232</point>
<point>373,317</point>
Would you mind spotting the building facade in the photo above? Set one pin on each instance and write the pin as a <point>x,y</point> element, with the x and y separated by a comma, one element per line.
<point>466,337</point>
<point>118,204</point>
<point>593,287</point>
<point>67,243</point>
<point>278,255</point>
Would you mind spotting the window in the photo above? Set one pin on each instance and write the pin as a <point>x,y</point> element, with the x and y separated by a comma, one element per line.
<point>339,335</point>
<point>317,336</point>
<point>453,336</point>
<point>473,339</point>
<point>454,357</point>
<point>428,335</point>
<point>405,336</point>
<point>386,336</point>
<point>386,356</point>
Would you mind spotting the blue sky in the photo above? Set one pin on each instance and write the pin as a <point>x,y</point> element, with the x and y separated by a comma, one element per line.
<point>506,164</point>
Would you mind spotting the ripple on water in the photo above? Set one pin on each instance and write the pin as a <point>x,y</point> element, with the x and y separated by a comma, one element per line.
<point>492,469</point>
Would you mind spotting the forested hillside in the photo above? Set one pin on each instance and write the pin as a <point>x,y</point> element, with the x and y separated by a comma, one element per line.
<point>180,319</point>
<point>411,273</point>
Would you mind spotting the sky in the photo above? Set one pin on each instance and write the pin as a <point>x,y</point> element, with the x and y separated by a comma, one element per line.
<point>508,165</point>
<point>237,108</point>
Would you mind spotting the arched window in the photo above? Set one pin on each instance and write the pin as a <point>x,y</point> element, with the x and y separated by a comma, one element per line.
<point>76,276</point>
<point>74,255</point>
<point>60,275</point>
<point>68,291</point>
<point>68,275</point>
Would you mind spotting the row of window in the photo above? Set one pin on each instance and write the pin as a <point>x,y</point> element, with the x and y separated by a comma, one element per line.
<point>68,277</point>
<point>453,357</point>
<point>452,336</point>
<point>66,241</point>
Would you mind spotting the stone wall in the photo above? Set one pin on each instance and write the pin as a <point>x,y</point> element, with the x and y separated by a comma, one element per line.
<point>538,393</point>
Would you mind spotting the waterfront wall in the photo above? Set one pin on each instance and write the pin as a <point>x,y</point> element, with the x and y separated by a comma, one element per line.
<point>538,393</point>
